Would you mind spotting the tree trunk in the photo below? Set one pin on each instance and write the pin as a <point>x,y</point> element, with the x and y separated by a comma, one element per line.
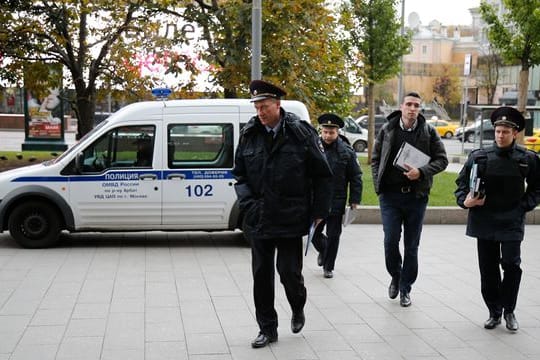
<point>85,114</point>
<point>523,95</point>
<point>371,119</point>
<point>229,93</point>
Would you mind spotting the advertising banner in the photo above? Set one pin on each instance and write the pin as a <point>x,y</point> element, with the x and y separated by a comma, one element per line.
<point>43,106</point>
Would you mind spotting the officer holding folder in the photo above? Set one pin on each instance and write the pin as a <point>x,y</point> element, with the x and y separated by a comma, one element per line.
<point>491,186</point>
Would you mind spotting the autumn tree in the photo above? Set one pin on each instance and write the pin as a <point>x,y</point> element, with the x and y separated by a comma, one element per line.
<point>94,40</point>
<point>376,46</point>
<point>300,49</point>
<point>447,86</point>
<point>516,34</point>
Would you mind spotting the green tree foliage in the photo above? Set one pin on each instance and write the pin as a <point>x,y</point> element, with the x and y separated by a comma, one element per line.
<point>300,49</point>
<point>95,41</point>
<point>516,34</point>
<point>376,46</point>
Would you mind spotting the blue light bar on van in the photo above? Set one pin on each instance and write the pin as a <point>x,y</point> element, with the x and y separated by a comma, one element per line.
<point>161,93</point>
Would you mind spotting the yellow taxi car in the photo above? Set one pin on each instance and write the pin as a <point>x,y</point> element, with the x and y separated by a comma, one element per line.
<point>443,127</point>
<point>533,142</point>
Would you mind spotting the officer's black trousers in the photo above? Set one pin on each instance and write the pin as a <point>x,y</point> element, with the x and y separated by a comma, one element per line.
<point>499,292</point>
<point>333,232</point>
<point>289,266</point>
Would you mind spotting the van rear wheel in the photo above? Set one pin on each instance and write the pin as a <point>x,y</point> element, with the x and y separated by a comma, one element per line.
<point>34,224</point>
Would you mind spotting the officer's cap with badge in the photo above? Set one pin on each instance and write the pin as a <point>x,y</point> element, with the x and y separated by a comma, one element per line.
<point>330,120</point>
<point>508,116</point>
<point>261,90</point>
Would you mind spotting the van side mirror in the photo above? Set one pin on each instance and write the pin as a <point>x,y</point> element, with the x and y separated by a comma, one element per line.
<point>79,161</point>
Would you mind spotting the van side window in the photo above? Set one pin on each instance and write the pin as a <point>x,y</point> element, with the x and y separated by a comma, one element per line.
<point>122,147</point>
<point>200,146</point>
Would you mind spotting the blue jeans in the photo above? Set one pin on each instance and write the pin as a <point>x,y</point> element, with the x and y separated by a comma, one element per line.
<point>399,210</point>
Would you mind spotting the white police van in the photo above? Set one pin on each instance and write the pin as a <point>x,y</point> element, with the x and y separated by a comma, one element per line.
<point>161,165</point>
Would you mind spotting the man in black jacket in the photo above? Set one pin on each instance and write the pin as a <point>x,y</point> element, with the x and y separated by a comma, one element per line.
<point>281,174</point>
<point>497,207</point>
<point>347,179</point>
<point>403,192</point>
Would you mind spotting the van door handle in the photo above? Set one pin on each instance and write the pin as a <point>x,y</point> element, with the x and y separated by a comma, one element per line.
<point>148,177</point>
<point>176,177</point>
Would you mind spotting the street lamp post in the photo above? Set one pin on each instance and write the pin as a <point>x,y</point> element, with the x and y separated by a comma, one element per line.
<point>400,79</point>
<point>256,20</point>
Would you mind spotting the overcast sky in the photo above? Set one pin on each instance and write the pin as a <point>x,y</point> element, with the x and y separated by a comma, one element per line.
<point>448,12</point>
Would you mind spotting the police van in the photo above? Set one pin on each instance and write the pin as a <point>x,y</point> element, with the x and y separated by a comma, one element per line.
<point>161,165</point>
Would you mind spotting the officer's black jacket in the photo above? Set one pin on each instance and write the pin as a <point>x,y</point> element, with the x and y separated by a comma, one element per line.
<point>347,175</point>
<point>505,172</point>
<point>281,190</point>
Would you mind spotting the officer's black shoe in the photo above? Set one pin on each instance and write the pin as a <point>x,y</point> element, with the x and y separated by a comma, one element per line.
<point>328,274</point>
<point>511,322</point>
<point>492,322</point>
<point>297,321</point>
<point>320,259</point>
<point>262,340</point>
<point>393,289</point>
<point>404,299</point>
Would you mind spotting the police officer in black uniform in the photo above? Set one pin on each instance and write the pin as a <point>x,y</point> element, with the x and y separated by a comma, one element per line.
<point>497,207</point>
<point>281,174</point>
<point>347,178</point>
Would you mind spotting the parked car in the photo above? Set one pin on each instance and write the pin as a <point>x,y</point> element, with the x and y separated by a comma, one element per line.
<point>470,133</point>
<point>444,128</point>
<point>379,121</point>
<point>533,142</point>
<point>356,135</point>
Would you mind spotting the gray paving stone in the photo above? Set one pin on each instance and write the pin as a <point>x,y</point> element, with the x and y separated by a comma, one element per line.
<point>206,344</point>
<point>91,311</point>
<point>51,317</point>
<point>43,335</point>
<point>189,296</point>
<point>124,331</point>
<point>86,327</point>
<point>34,351</point>
<point>166,350</point>
<point>80,348</point>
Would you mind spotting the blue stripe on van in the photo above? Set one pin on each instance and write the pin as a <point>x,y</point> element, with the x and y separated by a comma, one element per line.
<point>207,174</point>
<point>41,179</point>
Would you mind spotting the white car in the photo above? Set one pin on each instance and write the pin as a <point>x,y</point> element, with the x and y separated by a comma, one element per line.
<point>357,136</point>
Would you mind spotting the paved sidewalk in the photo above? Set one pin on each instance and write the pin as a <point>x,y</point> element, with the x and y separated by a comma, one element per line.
<point>188,296</point>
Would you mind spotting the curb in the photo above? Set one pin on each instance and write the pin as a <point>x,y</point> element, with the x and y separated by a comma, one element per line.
<point>441,215</point>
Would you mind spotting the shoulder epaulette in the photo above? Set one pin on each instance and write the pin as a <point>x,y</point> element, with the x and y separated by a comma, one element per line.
<point>301,129</point>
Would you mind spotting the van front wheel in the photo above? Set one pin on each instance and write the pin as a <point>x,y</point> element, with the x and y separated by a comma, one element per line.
<point>34,224</point>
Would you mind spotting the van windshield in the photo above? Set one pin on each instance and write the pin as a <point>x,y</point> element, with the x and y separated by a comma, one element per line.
<point>79,142</point>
